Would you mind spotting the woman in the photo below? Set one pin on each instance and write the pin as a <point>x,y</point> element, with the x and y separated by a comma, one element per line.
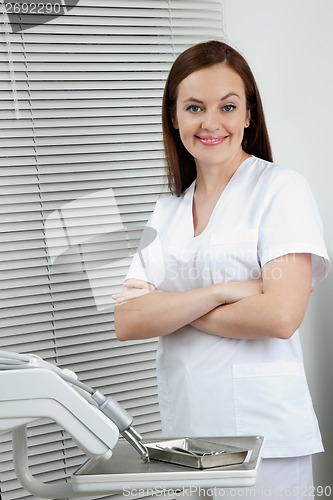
<point>226,282</point>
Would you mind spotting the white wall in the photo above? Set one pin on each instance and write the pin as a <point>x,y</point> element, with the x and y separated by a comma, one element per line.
<point>288,44</point>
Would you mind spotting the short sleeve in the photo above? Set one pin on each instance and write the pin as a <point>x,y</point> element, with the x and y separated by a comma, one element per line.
<point>148,253</point>
<point>138,268</point>
<point>291,223</point>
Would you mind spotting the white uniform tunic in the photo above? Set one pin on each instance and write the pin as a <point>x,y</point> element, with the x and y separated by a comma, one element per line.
<point>210,385</point>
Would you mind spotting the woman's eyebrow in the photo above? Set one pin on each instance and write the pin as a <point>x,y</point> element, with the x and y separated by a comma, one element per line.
<point>198,101</point>
<point>231,94</point>
<point>193,99</point>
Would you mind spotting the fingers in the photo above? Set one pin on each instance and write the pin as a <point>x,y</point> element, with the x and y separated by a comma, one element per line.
<point>140,284</point>
<point>133,289</point>
<point>122,298</point>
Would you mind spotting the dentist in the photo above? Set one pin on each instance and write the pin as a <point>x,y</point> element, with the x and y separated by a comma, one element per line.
<point>226,283</point>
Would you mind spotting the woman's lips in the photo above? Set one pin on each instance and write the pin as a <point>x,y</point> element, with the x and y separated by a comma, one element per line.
<point>211,140</point>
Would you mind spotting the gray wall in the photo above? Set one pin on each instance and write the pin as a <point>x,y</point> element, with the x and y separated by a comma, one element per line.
<point>289,47</point>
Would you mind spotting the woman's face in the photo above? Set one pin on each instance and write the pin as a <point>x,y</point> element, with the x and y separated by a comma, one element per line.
<point>211,115</point>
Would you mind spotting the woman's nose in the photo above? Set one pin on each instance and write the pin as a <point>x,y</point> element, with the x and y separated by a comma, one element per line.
<point>211,121</point>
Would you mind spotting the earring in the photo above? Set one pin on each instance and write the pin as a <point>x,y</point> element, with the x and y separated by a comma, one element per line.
<point>247,124</point>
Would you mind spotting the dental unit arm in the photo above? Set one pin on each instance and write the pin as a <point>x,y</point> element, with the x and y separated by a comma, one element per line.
<point>31,389</point>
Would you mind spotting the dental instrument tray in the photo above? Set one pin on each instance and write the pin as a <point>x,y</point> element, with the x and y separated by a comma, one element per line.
<point>196,453</point>
<point>124,468</point>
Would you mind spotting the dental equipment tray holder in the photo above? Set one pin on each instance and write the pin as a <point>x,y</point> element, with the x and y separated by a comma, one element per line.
<point>31,389</point>
<point>124,469</point>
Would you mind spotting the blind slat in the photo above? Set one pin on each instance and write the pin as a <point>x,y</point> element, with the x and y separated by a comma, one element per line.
<point>80,101</point>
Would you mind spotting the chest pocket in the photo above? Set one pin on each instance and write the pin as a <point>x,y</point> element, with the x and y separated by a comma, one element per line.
<point>233,256</point>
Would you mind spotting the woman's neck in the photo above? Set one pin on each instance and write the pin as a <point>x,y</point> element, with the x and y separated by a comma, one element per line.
<point>212,180</point>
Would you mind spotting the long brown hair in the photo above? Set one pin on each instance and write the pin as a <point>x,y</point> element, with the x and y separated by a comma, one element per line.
<point>180,164</point>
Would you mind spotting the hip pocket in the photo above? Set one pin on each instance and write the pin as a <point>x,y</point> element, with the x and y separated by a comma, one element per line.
<point>273,400</point>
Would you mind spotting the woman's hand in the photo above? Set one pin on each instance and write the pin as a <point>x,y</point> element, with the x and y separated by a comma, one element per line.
<point>233,291</point>
<point>133,288</point>
<point>229,293</point>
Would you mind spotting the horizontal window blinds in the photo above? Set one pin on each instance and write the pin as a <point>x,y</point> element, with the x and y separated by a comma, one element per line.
<point>81,167</point>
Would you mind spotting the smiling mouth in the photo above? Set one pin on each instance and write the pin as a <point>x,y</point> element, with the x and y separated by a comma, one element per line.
<point>211,140</point>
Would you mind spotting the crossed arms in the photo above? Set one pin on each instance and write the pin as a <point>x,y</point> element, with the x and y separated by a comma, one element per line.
<point>273,307</point>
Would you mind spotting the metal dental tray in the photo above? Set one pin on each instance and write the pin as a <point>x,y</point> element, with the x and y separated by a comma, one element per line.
<point>125,470</point>
<point>196,453</point>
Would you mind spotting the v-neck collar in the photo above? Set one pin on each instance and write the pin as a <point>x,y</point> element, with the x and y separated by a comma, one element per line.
<point>222,197</point>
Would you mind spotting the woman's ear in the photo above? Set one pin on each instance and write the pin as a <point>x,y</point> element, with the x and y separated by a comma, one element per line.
<point>174,121</point>
<point>248,118</point>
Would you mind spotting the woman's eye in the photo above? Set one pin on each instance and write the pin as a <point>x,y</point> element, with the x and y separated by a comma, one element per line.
<point>193,108</point>
<point>229,107</point>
